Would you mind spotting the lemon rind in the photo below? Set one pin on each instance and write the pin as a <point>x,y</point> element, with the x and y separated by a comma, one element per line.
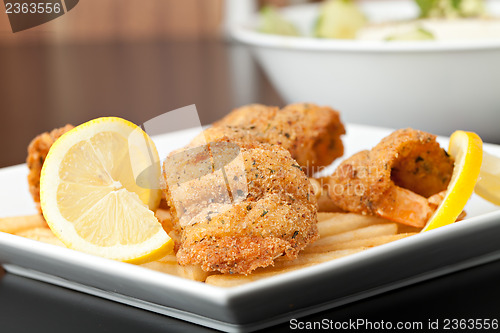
<point>160,243</point>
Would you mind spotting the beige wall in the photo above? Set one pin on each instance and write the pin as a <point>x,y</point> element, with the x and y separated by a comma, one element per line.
<point>131,19</point>
<point>127,20</point>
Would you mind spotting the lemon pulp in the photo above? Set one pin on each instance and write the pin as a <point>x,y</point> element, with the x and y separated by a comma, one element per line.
<point>488,184</point>
<point>90,197</point>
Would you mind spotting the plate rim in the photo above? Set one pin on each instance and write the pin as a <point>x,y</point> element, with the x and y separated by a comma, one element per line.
<point>226,297</point>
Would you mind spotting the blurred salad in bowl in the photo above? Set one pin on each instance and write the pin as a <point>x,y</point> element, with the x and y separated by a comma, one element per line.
<point>436,20</point>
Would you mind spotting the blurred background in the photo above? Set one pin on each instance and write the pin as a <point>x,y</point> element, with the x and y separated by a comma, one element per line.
<point>132,59</point>
<point>140,59</point>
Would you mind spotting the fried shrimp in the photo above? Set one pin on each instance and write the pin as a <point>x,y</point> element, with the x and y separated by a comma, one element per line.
<point>238,206</point>
<point>311,133</point>
<point>398,179</point>
<point>37,152</point>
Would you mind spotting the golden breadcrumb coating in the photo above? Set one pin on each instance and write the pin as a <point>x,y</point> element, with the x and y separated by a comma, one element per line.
<point>238,207</point>
<point>394,179</point>
<point>37,152</point>
<point>311,133</point>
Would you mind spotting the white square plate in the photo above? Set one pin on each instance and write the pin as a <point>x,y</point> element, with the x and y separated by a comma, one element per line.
<point>265,302</point>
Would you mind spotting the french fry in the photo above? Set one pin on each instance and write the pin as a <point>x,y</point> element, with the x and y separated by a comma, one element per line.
<point>311,258</point>
<point>40,234</point>
<point>15,224</point>
<point>306,260</point>
<point>337,223</point>
<point>341,234</point>
<point>168,268</point>
<point>192,272</point>
<point>165,217</point>
<point>325,204</point>
<point>226,280</point>
<point>362,233</point>
<point>168,258</point>
<point>404,229</point>
<point>353,244</point>
<point>322,216</point>
<point>163,214</point>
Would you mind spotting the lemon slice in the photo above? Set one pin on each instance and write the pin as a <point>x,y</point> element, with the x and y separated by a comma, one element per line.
<point>488,184</point>
<point>89,195</point>
<point>467,150</point>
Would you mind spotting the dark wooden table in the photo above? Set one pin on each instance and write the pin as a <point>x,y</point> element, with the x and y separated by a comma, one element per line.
<point>46,85</point>
<point>32,306</point>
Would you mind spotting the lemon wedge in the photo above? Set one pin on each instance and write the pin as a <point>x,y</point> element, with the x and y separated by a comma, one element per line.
<point>467,150</point>
<point>89,195</point>
<point>488,184</point>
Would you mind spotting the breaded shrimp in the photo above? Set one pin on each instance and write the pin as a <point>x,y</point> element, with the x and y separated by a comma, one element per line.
<point>238,206</point>
<point>395,179</point>
<point>37,152</point>
<point>311,133</point>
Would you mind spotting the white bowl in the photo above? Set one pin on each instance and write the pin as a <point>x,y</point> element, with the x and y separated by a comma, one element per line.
<point>438,86</point>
